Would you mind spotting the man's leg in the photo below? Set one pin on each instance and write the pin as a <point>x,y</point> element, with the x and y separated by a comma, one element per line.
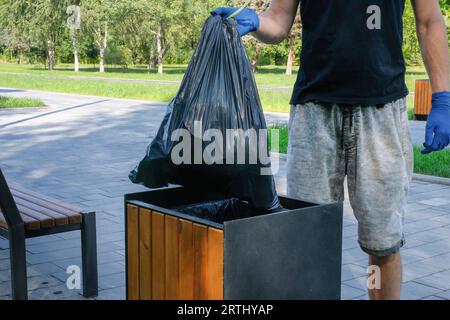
<point>379,169</point>
<point>391,277</point>
<point>315,162</point>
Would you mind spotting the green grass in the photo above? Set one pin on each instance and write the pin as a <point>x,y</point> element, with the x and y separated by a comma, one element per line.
<point>434,164</point>
<point>413,74</point>
<point>275,101</point>
<point>272,101</point>
<point>10,102</point>
<point>140,91</point>
<point>140,72</point>
<point>282,138</point>
<point>265,75</point>
<point>410,107</point>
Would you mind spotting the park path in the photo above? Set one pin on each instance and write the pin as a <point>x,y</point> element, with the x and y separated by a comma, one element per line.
<point>80,150</point>
<point>59,100</point>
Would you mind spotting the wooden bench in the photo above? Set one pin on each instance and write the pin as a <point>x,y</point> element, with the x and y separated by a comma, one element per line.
<point>27,214</point>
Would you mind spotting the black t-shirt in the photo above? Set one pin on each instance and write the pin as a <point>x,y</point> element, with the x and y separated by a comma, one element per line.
<point>351,52</point>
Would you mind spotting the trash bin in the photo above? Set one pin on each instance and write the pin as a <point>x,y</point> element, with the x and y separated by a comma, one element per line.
<point>174,250</point>
<point>422,99</point>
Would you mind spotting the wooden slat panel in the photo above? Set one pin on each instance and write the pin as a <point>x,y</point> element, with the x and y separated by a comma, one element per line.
<point>58,218</point>
<point>39,211</point>
<point>19,188</point>
<point>30,222</point>
<point>133,252</point>
<point>422,92</point>
<point>422,97</point>
<point>52,203</point>
<point>186,264</point>
<point>215,264</point>
<point>73,214</point>
<point>172,257</point>
<point>200,235</point>
<point>417,98</point>
<point>145,243</point>
<point>428,98</point>
<point>45,221</point>
<point>158,257</point>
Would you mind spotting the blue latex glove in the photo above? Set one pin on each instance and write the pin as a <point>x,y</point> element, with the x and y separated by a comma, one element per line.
<point>437,135</point>
<point>247,20</point>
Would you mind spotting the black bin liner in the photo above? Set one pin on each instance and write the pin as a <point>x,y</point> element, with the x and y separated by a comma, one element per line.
<point>219,90</point>
<point>218,210</point>
<point>223,210</point>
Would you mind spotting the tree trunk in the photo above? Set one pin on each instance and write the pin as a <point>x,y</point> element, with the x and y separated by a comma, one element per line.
<point>20,56</point>
<point>291,54</point>
<point>151,63</point>
<point>152,59</point>
<point>256,56</point>
<point>75,52</point>
<point>159,48</point>
<point>102,60</point>
<point>50,55</point>
<point>103,43</point>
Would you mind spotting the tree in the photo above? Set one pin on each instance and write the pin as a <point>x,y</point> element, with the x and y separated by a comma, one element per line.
<point>136,29</point>
<point>97,15</point>
<point>295,34</point>
<point>15,26</point>
<point>163,20</point>
<point>73,23</point>
<point>256,46</point>
<point>176,24</point>
<point>411,50</point>
<point>49,21</point>
<point>142,31</point>
<point>9,40</point>
<point>445,7</point>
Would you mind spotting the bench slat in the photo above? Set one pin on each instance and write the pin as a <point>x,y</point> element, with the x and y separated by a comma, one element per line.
<point>29,222</point>
<point>46,221</point>
<point>48,199</point>
<point>58,218</point>
<point>72,215</point>
<point>40,211</point>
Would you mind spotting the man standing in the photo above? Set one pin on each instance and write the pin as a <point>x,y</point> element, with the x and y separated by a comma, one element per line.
<point>348,111</point>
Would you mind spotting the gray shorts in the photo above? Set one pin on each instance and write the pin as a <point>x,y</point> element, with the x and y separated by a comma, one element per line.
<point>371,146</point>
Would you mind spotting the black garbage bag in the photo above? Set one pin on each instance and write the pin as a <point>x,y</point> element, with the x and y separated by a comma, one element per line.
<point>217,116</point>
<point>223,210</point>
<point>219,210</point>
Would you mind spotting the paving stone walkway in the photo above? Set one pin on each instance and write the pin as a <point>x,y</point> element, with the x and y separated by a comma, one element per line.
<point>80,149</point>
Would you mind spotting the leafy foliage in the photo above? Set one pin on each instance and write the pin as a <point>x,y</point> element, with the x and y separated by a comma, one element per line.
<point>140,31</point>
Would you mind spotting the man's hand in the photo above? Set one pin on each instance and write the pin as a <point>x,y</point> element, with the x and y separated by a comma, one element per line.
<point>247,20</point>
<point>437,135</point>
<point>272,26</point>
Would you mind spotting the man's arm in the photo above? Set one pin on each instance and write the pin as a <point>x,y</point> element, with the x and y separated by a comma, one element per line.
<point>276,21</point>
<point>432,35</point>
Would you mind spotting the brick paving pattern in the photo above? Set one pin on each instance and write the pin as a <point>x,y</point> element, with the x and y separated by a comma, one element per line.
<point>80,149</point>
